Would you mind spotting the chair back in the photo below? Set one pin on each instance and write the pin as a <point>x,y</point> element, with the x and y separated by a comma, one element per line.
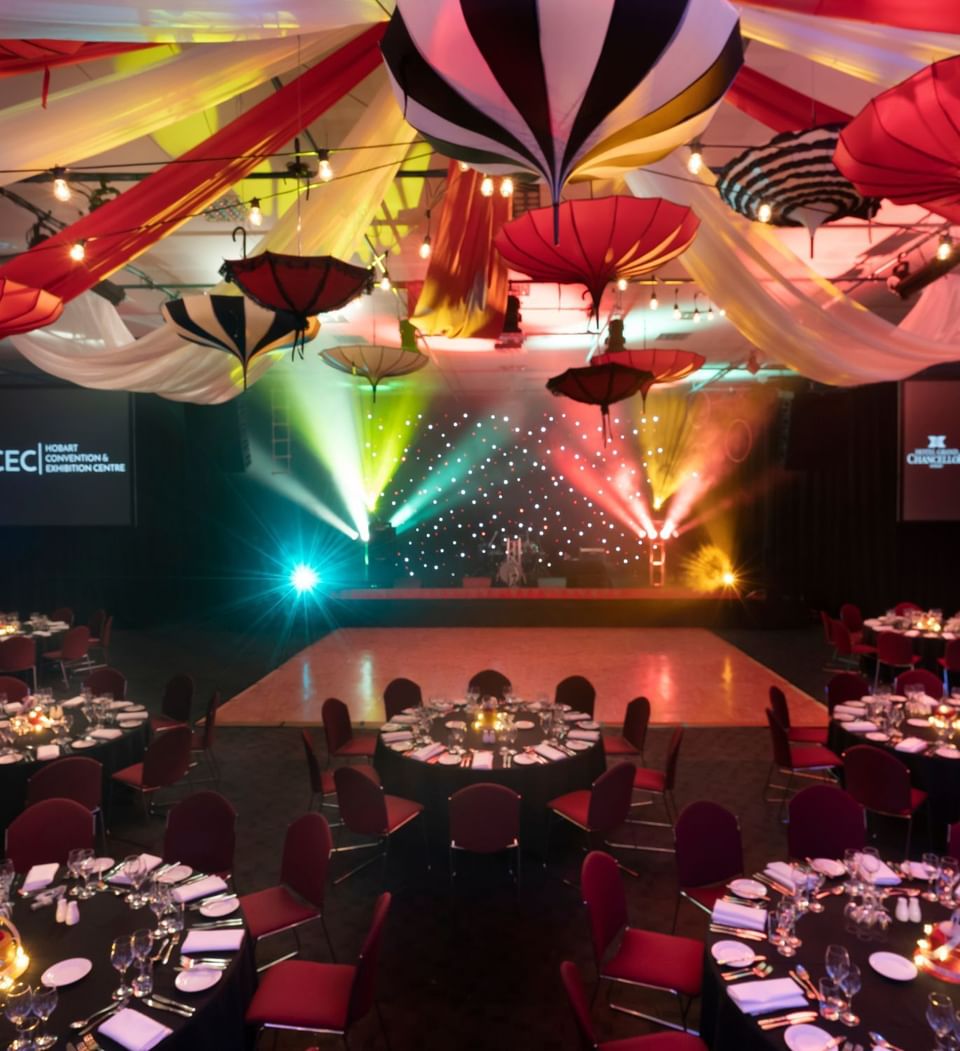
<point>365,977</point>
<point>48,832</point>
<point>708,845</point>
<point>845,686</point>
<point>167,758</point>
<point>76,777</point>
<point>13,689</point>
<point>636,721</point>
<point>824,821</point>
<point>107,680</point>
<point>673,755</point>
<point>363,808</point>
<point>932,684</point>
<point>64,614</point>
<point>606,903</point>
<point>490,683</point>
<point>399,694</point>
<point>610,797</point>
<point>18,654</point>
<point>903,608</point>
<point>842,642</point>
<point>779,706</point>
<point>95,623</point>
<point>75,643</point>
<point>313,764</point>
<point>202,832</point>
<point>578,692</point>
<point>484,818</point>
<point>951,656</point>
<point>106,633</point>
<point>307,847</point>
<point>827,621</point>
<point>779,742</point>
<point>877,779</point>
<point>210,722</point>
<point>177,700</point>
<point>851,617</point>
<point>337,727</point>
<point>577,998</point>
<point>894,648</point>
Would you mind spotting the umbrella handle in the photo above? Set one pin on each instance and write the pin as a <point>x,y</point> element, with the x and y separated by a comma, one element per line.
<point>242,230</point>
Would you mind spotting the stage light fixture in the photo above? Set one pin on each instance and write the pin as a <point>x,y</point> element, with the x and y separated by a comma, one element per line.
<point>676,306</point>
<point>654,302</point>
<point>384,283</point>
<point>61,188</point>
<point>255,215</point>
<point>729,579</point>
<point>425,247</point>
<point>303,578</point>
<point>506,186</point>
<point>463,166</point>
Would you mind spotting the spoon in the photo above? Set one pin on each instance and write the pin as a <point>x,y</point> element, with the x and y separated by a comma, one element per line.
<point>83,1023</point>
<point>804,976</point>
<point>882,1041</point>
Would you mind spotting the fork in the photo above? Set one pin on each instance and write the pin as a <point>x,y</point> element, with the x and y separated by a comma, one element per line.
<point>761,970</point>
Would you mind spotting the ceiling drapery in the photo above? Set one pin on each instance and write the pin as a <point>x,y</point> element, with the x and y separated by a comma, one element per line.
<point>932,15</point>
<point>779,106</point>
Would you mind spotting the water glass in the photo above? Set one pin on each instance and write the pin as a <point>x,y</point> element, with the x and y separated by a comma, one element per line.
<point>786,919</point>
<point>831,999</point>
<point>932,861</point>
<point>159,898</point>
<point>121,956</point>
<point>143,982</point>
<point>850,985</point>
<point>86,862</point>
<point>173,917</point>
<point>19,1011</point>
<point>851,862</point>
<point>44,1004</point>
<point>940,1016</point>
<point>947,877</point>
<point>141,942</point>
<point>774,936</point>
<point>815,882</point>
<point>135,871</point>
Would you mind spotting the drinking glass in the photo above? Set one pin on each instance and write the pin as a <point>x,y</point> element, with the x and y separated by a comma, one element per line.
<point>774,936</point>
<point>44,1004</point>
<point>786,918</point>
<point>946,879</point>
<point>895,719</point>
<point>850,984</point>
<point>940,1016</point>
<point>456,741</point>
<point>85,867</point>
<point>173,916</point>
<point>851,862</point>
<point>831,999</point>
<point>815,882</point>
<point>143,982</point>
<point>133,869</point>
<point>19,1010</point>
<point>121,956</point>
<point>141,942</point>
<point>6,878</point>
<point>159,898</point>
<point>932,861</point>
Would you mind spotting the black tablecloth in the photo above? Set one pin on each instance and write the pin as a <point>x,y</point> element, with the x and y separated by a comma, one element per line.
<point>927,648</point>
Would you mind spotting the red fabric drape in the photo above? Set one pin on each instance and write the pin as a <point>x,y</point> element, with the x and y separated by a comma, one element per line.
<point>31,56</point>
<point>119,231</point>
<point>778,106</point>
<point>937,16</point>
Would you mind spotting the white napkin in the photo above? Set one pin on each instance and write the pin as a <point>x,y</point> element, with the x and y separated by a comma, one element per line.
<point>483,760</point>
<point>133,1030</point>
<point>13,708</point>
<point>40,876</point>
<point>199,942</point>
<point>829,867</point>
<point>918,870</point>
<point>397,735</point>
<point>575,717</point>
<point>733,915</point>
<point>911,744</point>
<point>202,888</point>
<point>766,994</point>
<point>122,880</point>
<point>48,751</point>
<point>548,751</point>
<point>428,751</point>
<point>74,702</point>
<point>885,876</point>
<point>912,634</point>
<point>783,873</point>
<point>861,726</point>
<point>584,735</point>
<point>403,719</point>
<point>105,734</point>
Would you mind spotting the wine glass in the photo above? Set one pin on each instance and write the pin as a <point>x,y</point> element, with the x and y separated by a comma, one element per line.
<point>850,983</point>
<point>86,862</point>
<point>932,861</point>
<point>786,918</point>
<point>121,956</point>
<point>44,1004</point>
<point>940,1016</point>
<point>141,942</point>
<point>815,882</point>
<point>837,961</point>
<point>159,898</point>
<point>851,862</point>
<point>946,879</point>
<point>19,1010</point>
<point>133,869</point>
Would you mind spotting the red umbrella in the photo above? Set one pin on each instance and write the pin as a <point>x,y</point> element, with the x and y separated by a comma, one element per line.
<point>905,143</point>
<point>600,240</point>
<point>601,385</point>
<point>23,308</point>
<point>664,364</point>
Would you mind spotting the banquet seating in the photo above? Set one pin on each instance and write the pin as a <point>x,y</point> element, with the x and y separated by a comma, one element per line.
<point>827,622</point>
<point>795,761</point>
<point>19,654</point>
<point>633,735</point>
<point>100,637</point>
<point>175,705</point>
<point>845,686</point>
<point>490,683</point>
<point>401,693</point>
<point>795,734</point>
<point>321,781</point>
<point>166,761</point>
<point>881,782</point>
<point>64,614</point>
<point>73,650</point>
<point>902,609</point>
<point>597,810</point>
<point>852,619</point>
<point>931,683</point>
<point>95,623</point>
<point>107,680</point>
<point>659,783</point>
<point>201,741</point>
<point>709,853</point>
<point>894,651</point>
<point>202,832</point>
<point>573,985</point>
<point>322,997</point>
<point>847,651</point>
<point>366,810</point>
<point>299,897</point>
<point>47,832</point>
<point>76,777</point>
<point>950,661</point>
<point>666,962</point>
<point>578,692</point>
<point>14,690</point>
<point>823,822</point>
<point>338,730</point>
<point>484,819</point>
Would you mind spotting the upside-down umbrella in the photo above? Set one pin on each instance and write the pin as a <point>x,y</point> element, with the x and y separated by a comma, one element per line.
<point>375,362</point>
<point>905,143</point>
<point>600,240</point>
<point>601,385</point>
<point>794,180</point>
<point>23,308</point>
<point>235,324</point>
<point>561,88</point>
<point>666,365</point>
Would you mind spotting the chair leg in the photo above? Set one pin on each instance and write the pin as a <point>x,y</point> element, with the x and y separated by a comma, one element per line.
<point>383,1028</point>
<point>546,845</point>
<point>426,841</point>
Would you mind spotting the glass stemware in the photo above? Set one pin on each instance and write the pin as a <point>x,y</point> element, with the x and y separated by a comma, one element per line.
<point>86,862</point>
<point>19,1010</point>
<point>786,920</point>
<point>159,896</point>
<point>851,862</point>
<point>850,984</point>
<point>135,871</point>
<point>932,861</point>
<point>940,1016</point>
<point>44,1004</point>
<point>946,880</point>
<point>121,956</point>
<point>837,961</point>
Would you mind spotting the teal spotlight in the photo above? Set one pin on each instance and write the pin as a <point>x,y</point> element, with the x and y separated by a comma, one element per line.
<point>303,578</point>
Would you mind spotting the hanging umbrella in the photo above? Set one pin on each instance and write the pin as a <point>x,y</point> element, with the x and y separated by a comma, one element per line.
<point>601,385</point>
<point>376,362</point>
<point>794,179</point>
<point>235,324</point>
<point>666,366</point>
<point>23,308</point>
<point>905,143</point>
<point>565,88</point>
<point>599,240</point>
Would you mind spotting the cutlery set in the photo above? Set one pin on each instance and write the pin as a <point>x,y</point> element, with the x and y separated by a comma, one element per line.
<point>740,932</point>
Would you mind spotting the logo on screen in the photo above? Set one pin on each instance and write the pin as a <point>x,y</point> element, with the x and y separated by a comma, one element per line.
<point>936,454</point>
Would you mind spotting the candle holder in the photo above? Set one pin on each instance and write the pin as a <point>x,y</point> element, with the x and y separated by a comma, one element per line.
<point>13,957</point>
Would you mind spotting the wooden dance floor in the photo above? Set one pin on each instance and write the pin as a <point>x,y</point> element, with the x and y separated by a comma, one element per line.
<point>690,675</point>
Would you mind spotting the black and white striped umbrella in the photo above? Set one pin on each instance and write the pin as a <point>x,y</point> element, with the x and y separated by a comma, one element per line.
<point>561,88</point>
<point>792,181</point>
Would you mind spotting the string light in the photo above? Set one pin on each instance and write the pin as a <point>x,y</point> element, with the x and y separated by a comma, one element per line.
<point>710,314</point>
<point>696,314</point>
<point>944,247</point>
<point>425,247</point>
<point>764,213</point>
<point>61,188</point>
<point>506,186</point>
<point>463,166</point>
<point>78,251</point>
<point>695,160</point>
<point>255,215</point>
<point>486,186</point>
<point>324,171</point>
<point>654,302</point>
<point>621,284</point>
<point>722,312</point>
<point>384,283</point>
<point>676,306</point>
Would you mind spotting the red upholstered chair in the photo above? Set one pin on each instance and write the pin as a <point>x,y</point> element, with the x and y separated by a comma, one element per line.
<point>795,761</point>
<point>881,783</point>
<point>165,762</point>
<point>845,686</point>
<point>107,680</point>
<point>894,651</point>
<point>76,777</point>
<point>709,854</point>
<point>577,998</point>
<point>338,730</point>
<point>827,623</point>
<point>63,614</point>
<point>795,734</point>
<point>852,619</point>
<point>14,690</point>
<point>73,650</point>
<point>366,810</point>
<point>824,821</point>
<point>932,686</point>
<point>490,683</point>
<point>95,624</point>
<point>321,781</point>
<point>848,651</point>
<point>633,736</point>
<point>202,833</point>
<point>902,609</point>
<point>399,694</point>
<point>950,662</point>
<point>175,705</point>
<point>636,957</point>
<point>322,997</point>
<point>658,783</point>
<point>48,832</point>
<point>100,639</point>
<point>19,654</point>
<point>484,819</point>
<point>299,897</point>
<point>578,692</point>
<point>597,810</point>
<point>201,740</point>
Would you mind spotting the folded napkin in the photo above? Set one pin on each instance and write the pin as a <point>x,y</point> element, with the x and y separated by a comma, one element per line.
<point>861,726</point>
<point>397,735</point>
<point>112,706</point>
<point>48,751</point>
<point>829,867</point>
<point>133,1030</point>
<point>766,994</point>
<point>483,760</point>
<point>918,870</point>
<point>13,708</point>
<point>733,915</point>
<point>40,876</point>
<point>549,752</point>
<point>74,702</point>
<point>226,940</point>
<point>122,880</point>
<point>106,735</point>
<point>584,735</point>
<point>202,888</point>
<point>403,719</point>
<point>428,751</point>
<point>911,744</point>
<point>784,874</point>
<point>575,717</point>
<point>885,876</point>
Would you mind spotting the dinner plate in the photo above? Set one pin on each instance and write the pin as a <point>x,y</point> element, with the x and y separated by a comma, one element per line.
<point>449,760</point>
<point>918,722</point>
<point>843,717</point>
<point>10,757</point>
<point>100,865</point>
<point>402,746</point>
<point>135,709</point>
<point>806,1038</point>
<point>456,724</point>
<point>223,907</point>
<point>389,728</point>
<point>130,724</point>
<point>524,759</point>
<point>730,953</point>
<point>590,725</point>
<point>579,746</point>
<point>196,979</point>
<point>66,972</point>
<point>874,735</point>
<point>947,752</point>
<point>83,742</point>
<point>890,965</point>
<point>176,874</point>
<point>829,867</point>
<point>524,724</point>
<point>751,889</point>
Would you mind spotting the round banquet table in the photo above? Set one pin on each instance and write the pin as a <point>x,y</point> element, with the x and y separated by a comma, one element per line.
<point>928,645</point>
<point>218,1021</point>
<point>895,1009</point>
<point>432,784</point>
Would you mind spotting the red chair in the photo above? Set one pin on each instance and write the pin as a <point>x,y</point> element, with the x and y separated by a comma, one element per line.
<point>73,650</point>
<point>201,741</point>
<point>847,650</point>
<point>852,619</point>
<point>902,609</point>
<point>578,692</point>
<point>658,783</point>
<point>48,832</point>
<point>13,690</point>
<point>95,624</point>
<point>932,685</point>
<point>175,705</point>
<point>881,783</point>
<point>633,736</point>
<point>484,819</point>
<point>845,686</point>
<point>322,997</point>
<point>709,853</point>
<point>399,694</point>
<point>299,897</point>
<point>827,623</point>
<point>665,962</point>
<point>588,1040</point>
<point>597,810</point>
<point>107,680</point>
<point>894,651</point>
<point>366,810</point>
<point>63,614</point>
<point>100,639</point>
<point>812,760</point>
<point>950,661</point>
<point>165,762</point>
<point>338,730</point>
<point>19,654</point>
<point>795,734</point>
<point>490,683</point>
<point>75,777</point>
<point>202,832</point>
<point>824,821</point>
<point>321,781</point>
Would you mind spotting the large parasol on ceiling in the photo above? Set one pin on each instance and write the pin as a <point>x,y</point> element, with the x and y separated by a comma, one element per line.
<point>565,88</point>
<point>665,364</point>
<point>600,240</point>
<point>376,362</point>
<point>792,181</point>
<point>23,308</point>
<point>601,385</point>
<point>905,143</point>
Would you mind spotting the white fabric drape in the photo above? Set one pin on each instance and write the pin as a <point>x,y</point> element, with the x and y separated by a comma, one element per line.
<point>785,309</point>
<point>99,350</point>
<point>936,314</point>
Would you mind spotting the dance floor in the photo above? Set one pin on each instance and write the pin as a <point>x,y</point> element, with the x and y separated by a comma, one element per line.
<point>689,674</point>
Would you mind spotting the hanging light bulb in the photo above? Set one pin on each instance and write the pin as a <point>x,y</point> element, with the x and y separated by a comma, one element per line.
<point>696,315</point>
<point>255,215</point>
<point>695,160</point>
<point>384,283</point>
<point>710,314</point>
<point>676,306</point>
<point>506,186</point>
<point>654,302</point>
<point>722,312</point>
<point>61,188</point>
<point>621,284</point>
<point>77,251</point>
<point>486,186</point>
<point>463,166</point>
<point>764,213</point>
<point>425,247</point>
<point>944,247</point>
<point>324,171</point>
